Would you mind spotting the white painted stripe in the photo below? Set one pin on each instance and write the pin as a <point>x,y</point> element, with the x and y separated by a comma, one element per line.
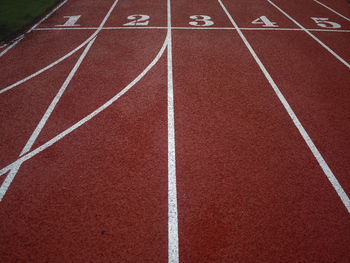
<point>311,35</point>
<point>333,180</point>
<point>346,18</point>
<point>65,28</point>
<point>173,238</point>
<point>202,28</point>
<point>31,29</point>
<point>293,29</point>
<point>8,180</point>
<point>329,30</point>
<point>60,136</point>
<point>65,56</point>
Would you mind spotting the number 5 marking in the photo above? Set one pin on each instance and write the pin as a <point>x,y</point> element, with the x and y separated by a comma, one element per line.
<point>201,20</point>
<point>323,22</point>
<point>138,20</point>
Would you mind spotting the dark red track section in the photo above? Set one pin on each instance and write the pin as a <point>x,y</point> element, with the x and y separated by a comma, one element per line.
<point>248,187</point>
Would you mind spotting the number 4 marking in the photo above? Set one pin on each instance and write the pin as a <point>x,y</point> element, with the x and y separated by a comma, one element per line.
<point>71,21</point>
<point>263,20</point>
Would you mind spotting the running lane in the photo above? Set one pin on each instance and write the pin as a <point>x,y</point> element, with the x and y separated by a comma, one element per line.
<point>315,84</point>
<point>100,193</point>
<point>249,189</point>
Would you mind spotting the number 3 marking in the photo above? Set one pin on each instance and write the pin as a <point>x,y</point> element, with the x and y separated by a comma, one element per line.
<point>323,22</point>
<point>138,20</point>
<point>201,20</point>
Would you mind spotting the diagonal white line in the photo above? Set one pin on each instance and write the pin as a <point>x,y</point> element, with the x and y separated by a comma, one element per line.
<point>311,35</point>
<point>333,180</point>
<point>346,18</point>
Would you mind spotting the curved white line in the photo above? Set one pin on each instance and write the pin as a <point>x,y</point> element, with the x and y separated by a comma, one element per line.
<point>65,56</point>
<point>85,119</point>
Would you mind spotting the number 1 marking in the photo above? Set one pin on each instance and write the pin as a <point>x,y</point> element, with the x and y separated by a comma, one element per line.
<point>71,21</point>
<point>263,20</point>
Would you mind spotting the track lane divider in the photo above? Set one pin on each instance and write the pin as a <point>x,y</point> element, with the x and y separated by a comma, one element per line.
<point>335,12</point>
<point>327,171</point>
<point>18,39</point>
<point>173,236</point>
<point>311,35</point>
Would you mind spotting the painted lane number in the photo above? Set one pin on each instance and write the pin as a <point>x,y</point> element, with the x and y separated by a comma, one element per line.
<point>323,22</point>
<point>263,20</point>
<point>71,21</point>
<point>138,20</point>
<point>201,20</point>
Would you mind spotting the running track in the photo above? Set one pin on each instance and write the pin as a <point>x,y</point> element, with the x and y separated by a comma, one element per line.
<point>185,133</point>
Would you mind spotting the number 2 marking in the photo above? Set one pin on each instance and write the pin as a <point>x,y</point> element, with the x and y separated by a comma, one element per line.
<point>323,22</point>
<point>263,20</point>
<point>201,20</point>
<point>138,20</point>
<point>71,21</point>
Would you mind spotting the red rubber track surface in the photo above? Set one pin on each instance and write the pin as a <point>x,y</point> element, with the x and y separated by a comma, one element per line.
<point>234,136</point>
<point>248,187</point>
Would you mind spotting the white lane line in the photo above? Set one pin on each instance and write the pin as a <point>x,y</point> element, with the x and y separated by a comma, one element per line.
<point>173,236</point>
<point>9,178</point>
<point>65,56</point>
<point>65,28</point>
<point>202,28</point>
<point>15,42</point>
<point>13,166</point>
<point>311,35</point>
<point>333,180</point>
<point>293,29</point>
<point>346,18</point>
